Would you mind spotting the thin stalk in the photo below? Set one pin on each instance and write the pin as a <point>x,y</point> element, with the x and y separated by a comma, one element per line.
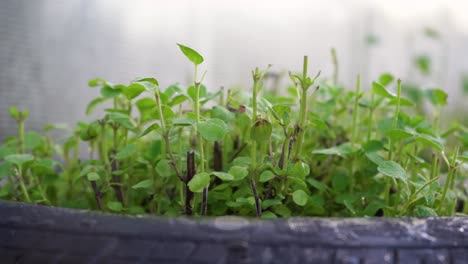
<point>22,186</point>
<point>190,173</point>
<point>388,184</point>
<point>167,149</point>
<point>253,147</point>
<point>355,110</point>
<point>258,206</point>
<point>103,148</point>
<point>21,134</point>
<point>302,110</point>
<point>371,118</point>
<point>335,66</point>
<point>450,177</point>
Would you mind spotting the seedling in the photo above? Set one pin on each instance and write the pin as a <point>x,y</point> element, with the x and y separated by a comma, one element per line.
<point>268,152</point>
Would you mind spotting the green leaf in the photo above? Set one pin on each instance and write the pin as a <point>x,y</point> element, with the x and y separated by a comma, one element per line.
<point>437,96</point>
<point>183,122</point>
<point>300,197</point>
<point>270,202</point>
<point>126,152</point>
<point>341,150</point>
<point>423,63</point>
<point>191,54</point>
<point>424,211</point>
<point>378,89</point>
<point>92,105</point>
<point>223,176</point>
<point>238,172</point>
<point>133,90</point>
<point>92,176</point>
<point>398,134</point>
<point>266,176</point>
<point>146,84</point>
<point>316,184</point>
<point>431,141</point>
<point>109,92</point>
<point>375,158</point>
<point>164,169</point>
<point>386,79</point>
<point>149,129</point>
<point>96,82</point>
<point>392,169</point>
<point>5,169</point>
<point>199,182</point>
<point>341,180</point>
<point>19,159</point>
<point>143,184</point>
<point>213,129</point>
<point>122,119</point>
<point>222,113</point>
<point>261,130</point>
<point>115,206</point>
<point>14,112</point>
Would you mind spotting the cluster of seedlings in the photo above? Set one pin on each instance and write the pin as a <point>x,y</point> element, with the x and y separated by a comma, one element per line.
<point>310,149</point>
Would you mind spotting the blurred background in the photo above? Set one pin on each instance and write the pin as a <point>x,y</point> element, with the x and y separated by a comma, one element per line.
<point>49,49</point>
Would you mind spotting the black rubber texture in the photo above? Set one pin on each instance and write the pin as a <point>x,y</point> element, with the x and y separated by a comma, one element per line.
<point>39,234</point>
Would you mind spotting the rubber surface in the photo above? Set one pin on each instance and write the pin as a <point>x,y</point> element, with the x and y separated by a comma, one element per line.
<point>39,234</point>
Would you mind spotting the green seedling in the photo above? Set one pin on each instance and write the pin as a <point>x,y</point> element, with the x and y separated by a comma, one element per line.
<point>272,152</point>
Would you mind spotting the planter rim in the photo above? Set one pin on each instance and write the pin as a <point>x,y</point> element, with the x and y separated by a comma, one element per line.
<point>352,232</point>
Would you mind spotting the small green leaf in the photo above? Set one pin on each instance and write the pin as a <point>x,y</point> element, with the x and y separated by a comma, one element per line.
<point>300,197</point>
<point>378,89</point>
<point>341,180</point>
<point>19,159</point>
<point>199,182</point>
<point>122,119</point>
<point>238,172</point>
<point>133,90</point>
<point>317,185</point>
<point>341,150</point>
<point>386,79</point>
<point>222,113</point>
<point>423,63</point>
<point>14,112</point>
<point>424,211</point>
<point>164,169</point>
<point>115,206</point>
<point>375,158</point>
<point>261,130</point>
<point>266,176</point>
<point>392,169</point>
<point>213,129</point>
<point>398,134</point>
<point>270,202</point>
<point>437,96</point>
<point>5,169</point>
<point>223,176</point>
<point>92,105</point>
<point>92,176</point>
<point>149,129</point>
<point>96,82</point>
<point>191,54</point>
<point>143,184</point>
<point>126,152</point>
<point>109,92</point>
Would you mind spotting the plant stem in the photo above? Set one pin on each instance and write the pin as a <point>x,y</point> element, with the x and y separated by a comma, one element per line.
<point>258,206</point>
<point>370,118</point>
<point>22,186</point>
<point>355,111</point>
<point>388,184</point>
<point>335,66</point>
<point>165,135</point>
<point>21,134</point>
<point>190,173</point>
<point>302,110</point>
<point>450,177</point>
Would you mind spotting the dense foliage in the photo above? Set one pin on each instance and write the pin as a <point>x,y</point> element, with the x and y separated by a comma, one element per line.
<point>310,149</point>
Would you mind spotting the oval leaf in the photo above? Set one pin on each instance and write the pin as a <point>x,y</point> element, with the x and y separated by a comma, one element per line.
<point>191,54</point>
<point>213,129</point>
<point>199,181</point>
<point>300,197</point>
<point>223,176</point>
<point>392,169</point>
<point>143,184</point>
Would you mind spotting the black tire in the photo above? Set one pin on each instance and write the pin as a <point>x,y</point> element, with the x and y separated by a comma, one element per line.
<point>38,234</point>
